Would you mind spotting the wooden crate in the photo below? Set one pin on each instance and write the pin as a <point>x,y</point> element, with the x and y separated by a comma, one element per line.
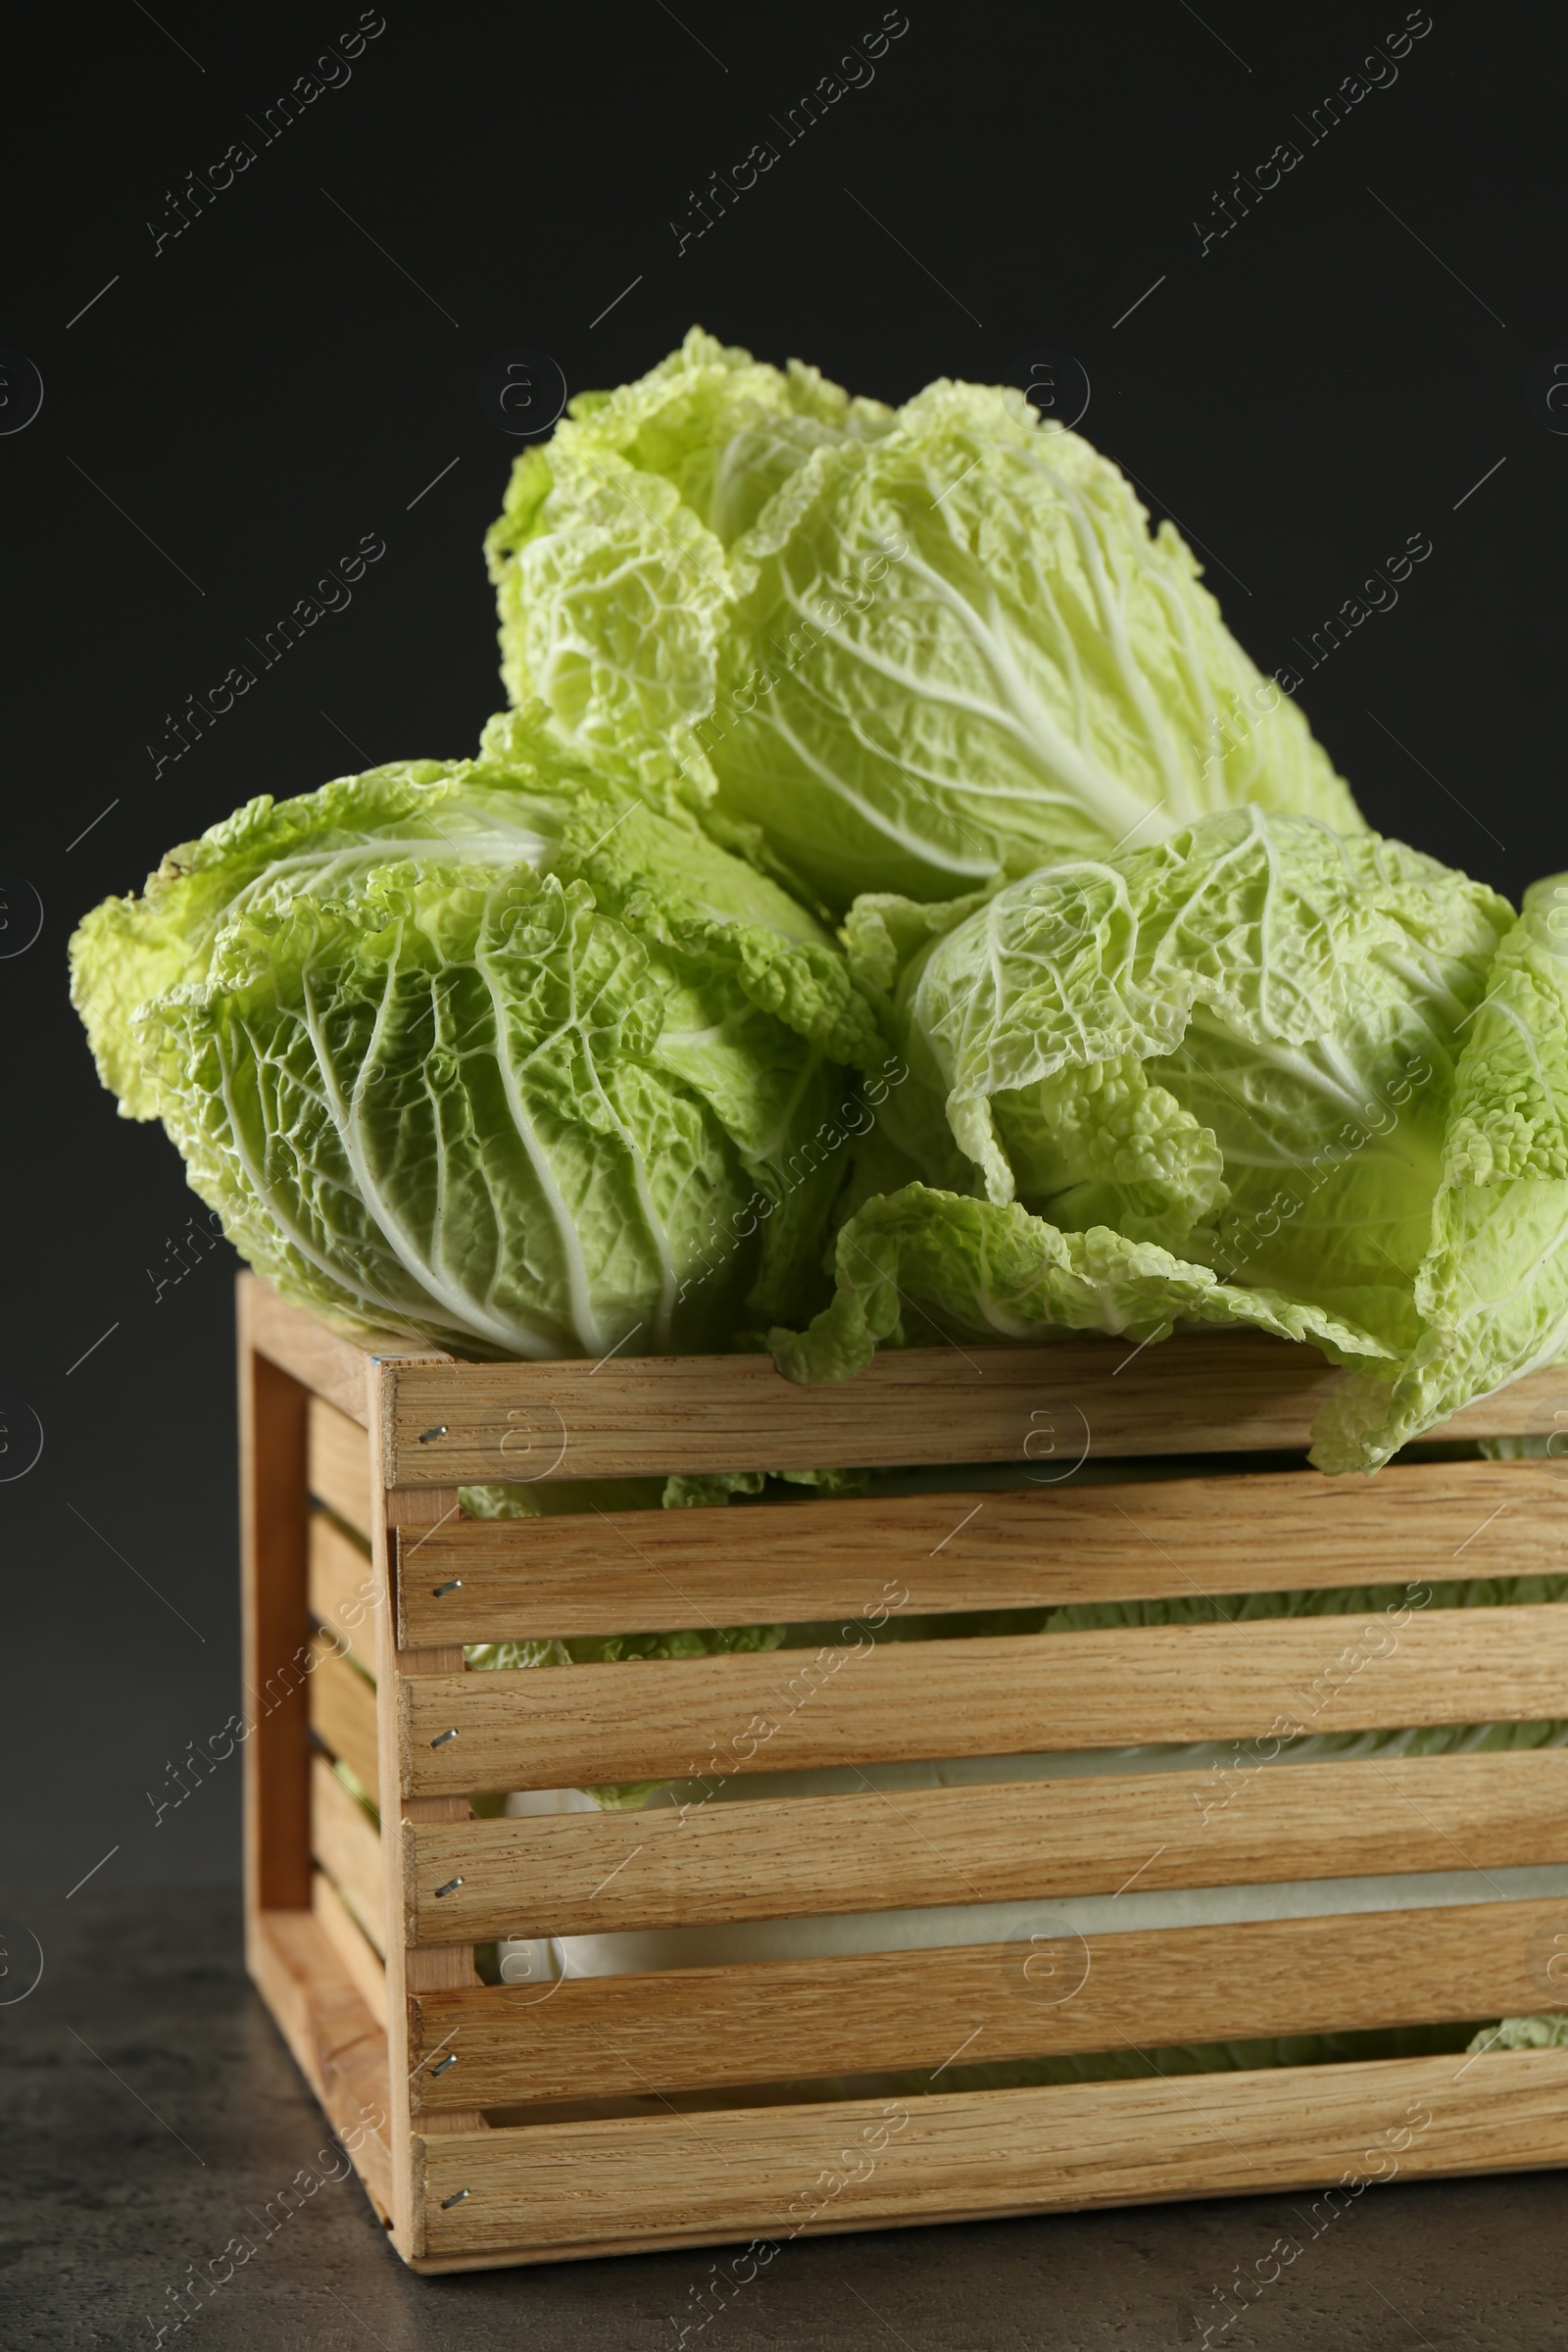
<point>362,1940</point>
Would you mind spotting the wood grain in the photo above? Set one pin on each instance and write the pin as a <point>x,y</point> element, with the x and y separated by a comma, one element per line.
<point>703,2029</point>
<point>737,2173</point>
<point>790,1857</point>
<point>342,1582</point>
<point>565,1727</point>
<point>331,1363</point>
<point>321,1360</point>
<point>928,1554</point>
<point>347,1844</point>
<point>635,1416</point>
<point>342,1585</point>
<point>408,1970</point>
<point>342,1712</point>
<point>340,1466</point>
<point>274,1624</point>
<point>337,2044</point>
<point>555,2190</point>
<point>362,1959</point>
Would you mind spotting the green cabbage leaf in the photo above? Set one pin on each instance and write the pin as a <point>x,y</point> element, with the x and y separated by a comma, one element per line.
<point>493,1052</point>
<point>1262,1073</point>
<point>902,650</point>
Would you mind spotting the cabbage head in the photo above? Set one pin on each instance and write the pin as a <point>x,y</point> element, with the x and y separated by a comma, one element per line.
<point>491,1052</point>
<point>1260,1073</point>
<point>902,649</point>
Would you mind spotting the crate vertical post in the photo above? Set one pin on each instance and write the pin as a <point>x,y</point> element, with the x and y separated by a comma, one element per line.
<point>273,1411</point>
<point>292,1370</point>
<point>401,1519</point>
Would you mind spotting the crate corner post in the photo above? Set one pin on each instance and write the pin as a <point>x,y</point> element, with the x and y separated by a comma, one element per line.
<point>402,1517</point>
<point>315,1968</point>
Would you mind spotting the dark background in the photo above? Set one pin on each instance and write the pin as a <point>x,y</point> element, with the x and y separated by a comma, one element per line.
<point>221,424</point>
<point>280,378</point>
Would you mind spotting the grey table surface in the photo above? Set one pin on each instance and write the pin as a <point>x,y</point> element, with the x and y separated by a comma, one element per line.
<point>150,2111</point>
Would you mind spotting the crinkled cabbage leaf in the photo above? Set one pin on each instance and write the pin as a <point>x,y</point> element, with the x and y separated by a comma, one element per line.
<point>491,1052</point>
<point>892,650</point>
<point>1260,1073</point>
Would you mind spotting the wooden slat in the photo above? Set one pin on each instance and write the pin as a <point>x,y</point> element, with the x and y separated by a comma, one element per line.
<point>337,2043</point>
<point>788,1857</point>
<point>340,1465</point>
<point>566,1727</point>
<point>342,1585</point>
<point>274,1625</point>
<point>703,2028</point>
<point>342,1708</point>
<point>735,2173</point>
<point>331,1363</point>
<point>631,1416</point>
<point>920,1555</point>
<point>347,1844</point>
<point>349,1941</point>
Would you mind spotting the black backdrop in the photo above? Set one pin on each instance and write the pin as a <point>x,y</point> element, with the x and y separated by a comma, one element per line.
<point>240,403</point>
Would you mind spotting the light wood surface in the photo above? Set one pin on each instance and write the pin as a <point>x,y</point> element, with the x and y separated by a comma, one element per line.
<point>342,1705</point>
<point>1263,1392</point>
<point>342,1585</point>
<point>408,1970</point>
<point>337,2044</point>
<point>340,1465</point>
<point>273,1625</point>
<point>660,2179</point>
<point>331,1363</point>
<point>787,1857</point>
<point>363,1962</point>
<point>319,1359</point>
<point>566,1727</point>
<point>919,1554</point>
<point>347,1844</point>
<point>634,1416</point>
<point>703,2029</point>
<point>759,2173</point>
